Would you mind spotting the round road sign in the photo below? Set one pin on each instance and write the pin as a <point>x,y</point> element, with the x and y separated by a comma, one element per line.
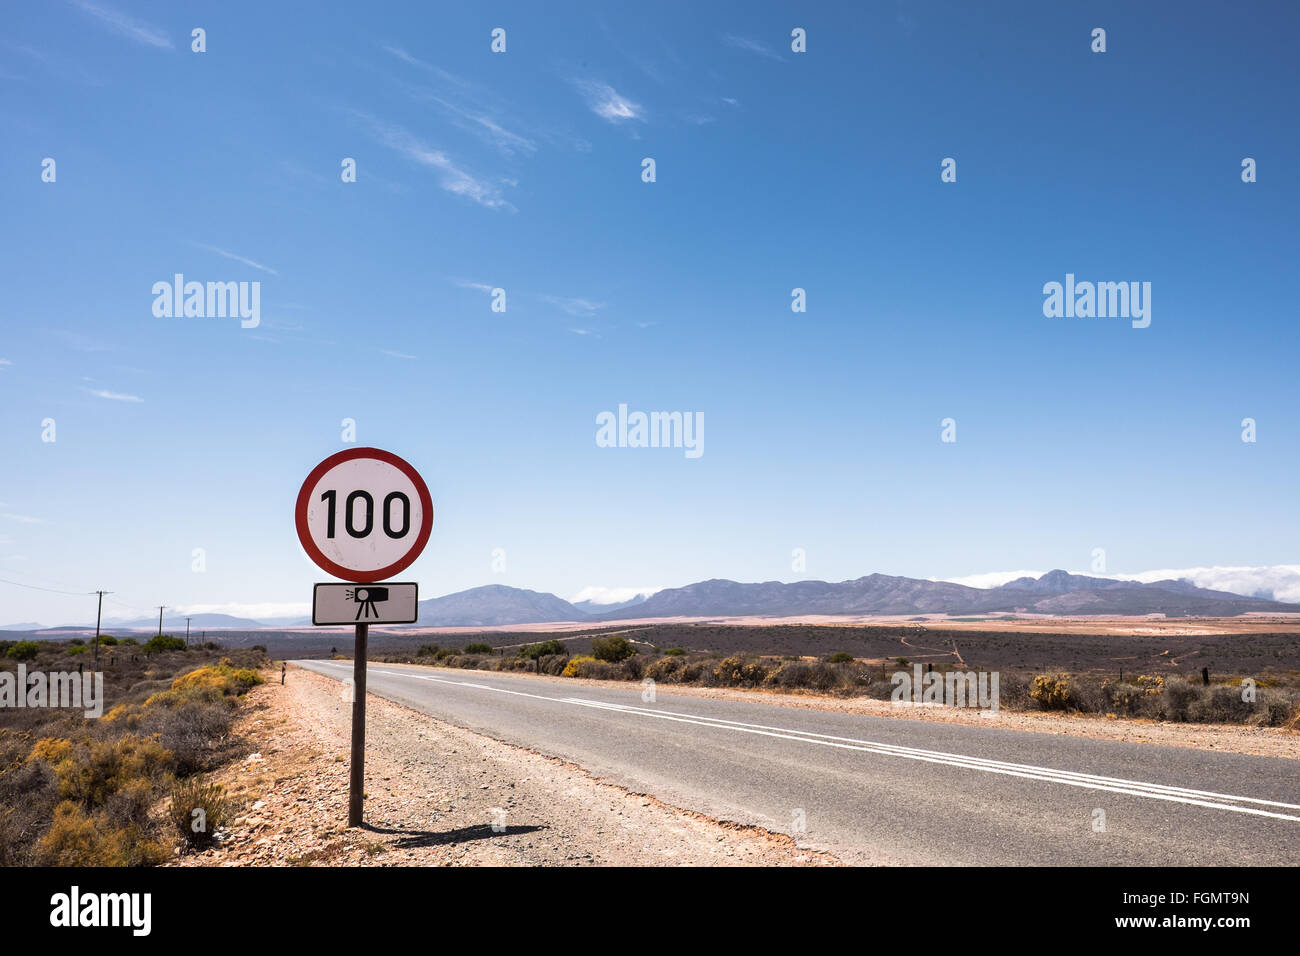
<point>364,514</point>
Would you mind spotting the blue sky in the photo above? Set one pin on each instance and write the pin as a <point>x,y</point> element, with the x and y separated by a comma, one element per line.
<point>522,170</point>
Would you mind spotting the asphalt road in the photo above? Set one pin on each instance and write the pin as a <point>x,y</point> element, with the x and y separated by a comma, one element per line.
<point>885,790</point>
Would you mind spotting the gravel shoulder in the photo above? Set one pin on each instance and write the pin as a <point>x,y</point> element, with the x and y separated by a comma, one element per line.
<point>434,793</point>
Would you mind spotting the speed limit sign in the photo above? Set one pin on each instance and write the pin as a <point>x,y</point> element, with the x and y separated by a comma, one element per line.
<point>364,514</point>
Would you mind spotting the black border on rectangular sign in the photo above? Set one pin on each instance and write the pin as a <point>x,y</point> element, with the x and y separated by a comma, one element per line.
<point>331,584</point>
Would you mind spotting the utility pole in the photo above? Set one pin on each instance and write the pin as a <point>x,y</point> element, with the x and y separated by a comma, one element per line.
<point>160,610</point>
<point>98,615</point>
<point>187,633</point>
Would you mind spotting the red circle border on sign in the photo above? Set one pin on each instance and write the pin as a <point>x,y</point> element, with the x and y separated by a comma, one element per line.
<point>348,574</point>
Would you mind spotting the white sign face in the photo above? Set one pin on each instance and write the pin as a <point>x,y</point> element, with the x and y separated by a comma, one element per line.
<point>384,603</point>
<point>364,514</point>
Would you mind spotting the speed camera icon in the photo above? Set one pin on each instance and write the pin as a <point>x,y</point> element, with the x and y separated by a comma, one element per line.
<point>366,598</point>
<point>393,602</point>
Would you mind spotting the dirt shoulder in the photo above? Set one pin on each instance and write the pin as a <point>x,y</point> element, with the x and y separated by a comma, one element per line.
<point>1224,738</point>
<point>434,792</point>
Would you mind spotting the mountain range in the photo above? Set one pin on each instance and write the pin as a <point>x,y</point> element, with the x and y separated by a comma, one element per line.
<point>1056,592</point>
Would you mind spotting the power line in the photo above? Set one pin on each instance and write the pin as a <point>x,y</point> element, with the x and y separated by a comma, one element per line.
<point>36,587</point>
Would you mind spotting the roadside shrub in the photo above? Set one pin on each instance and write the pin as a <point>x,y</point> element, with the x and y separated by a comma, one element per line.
<point>1013,691</point>
<point>840,657</point>
<point>614,648</point>
<point>51,749</point>
<point>164,642</point>
<point>75,838</point>
<point>1223,704</point>
<point>198,809</point>
<point>130,642</point>
<point>633,668</point>
<point>193,732</point>
<point>534,651</point>
<point>552,664</point>
<point>90,775</point>
<point>737,671</point>
<point>665,669</point>
<point>1177,700</point>
<point>23,650</point>
<point>675,651</point>
<point>77,649</point>
<point>107,640</point>
<point>1052,691</point>
<point>130,805</point>
<point>209,683</point>
<point>821,676</point>
<point>576,666</point>
<point>478,648</point>
<point>28,795</point>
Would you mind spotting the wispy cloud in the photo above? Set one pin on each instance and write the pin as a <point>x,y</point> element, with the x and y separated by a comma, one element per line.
<point>469,284</point>
<point>121,24</point>
<point>21,519</point>
<point>750,46</point>
<point>470,106</point>
<point>4,362</point>
<point>583,308</point>
<point>114,396</point>
<point>82,343</point>
<point>451,177</point>
<point>487,127</point>
<point>607,103</point>
<point>237,258</point>
<point>61,67</point>
<point>438,71</point>
<point>393,354</point>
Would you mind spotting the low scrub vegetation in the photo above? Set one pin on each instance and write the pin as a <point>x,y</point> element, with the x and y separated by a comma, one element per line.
<point>77,791</point>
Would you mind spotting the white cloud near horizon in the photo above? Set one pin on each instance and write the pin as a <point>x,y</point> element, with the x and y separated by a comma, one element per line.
<point>606,102</point>
<point>599,595</point>
<point>120,23</point>
<point>1282,581</point>
<point>994,579</point>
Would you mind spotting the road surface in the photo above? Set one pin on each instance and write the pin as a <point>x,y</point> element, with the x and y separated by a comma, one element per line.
<point>881,789</point>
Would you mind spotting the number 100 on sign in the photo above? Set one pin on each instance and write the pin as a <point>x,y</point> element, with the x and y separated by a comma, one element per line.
<point>364,514</point>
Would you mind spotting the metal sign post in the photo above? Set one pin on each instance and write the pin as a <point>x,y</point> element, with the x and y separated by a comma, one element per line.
<point>357,769</point>
<point>363,514</point>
